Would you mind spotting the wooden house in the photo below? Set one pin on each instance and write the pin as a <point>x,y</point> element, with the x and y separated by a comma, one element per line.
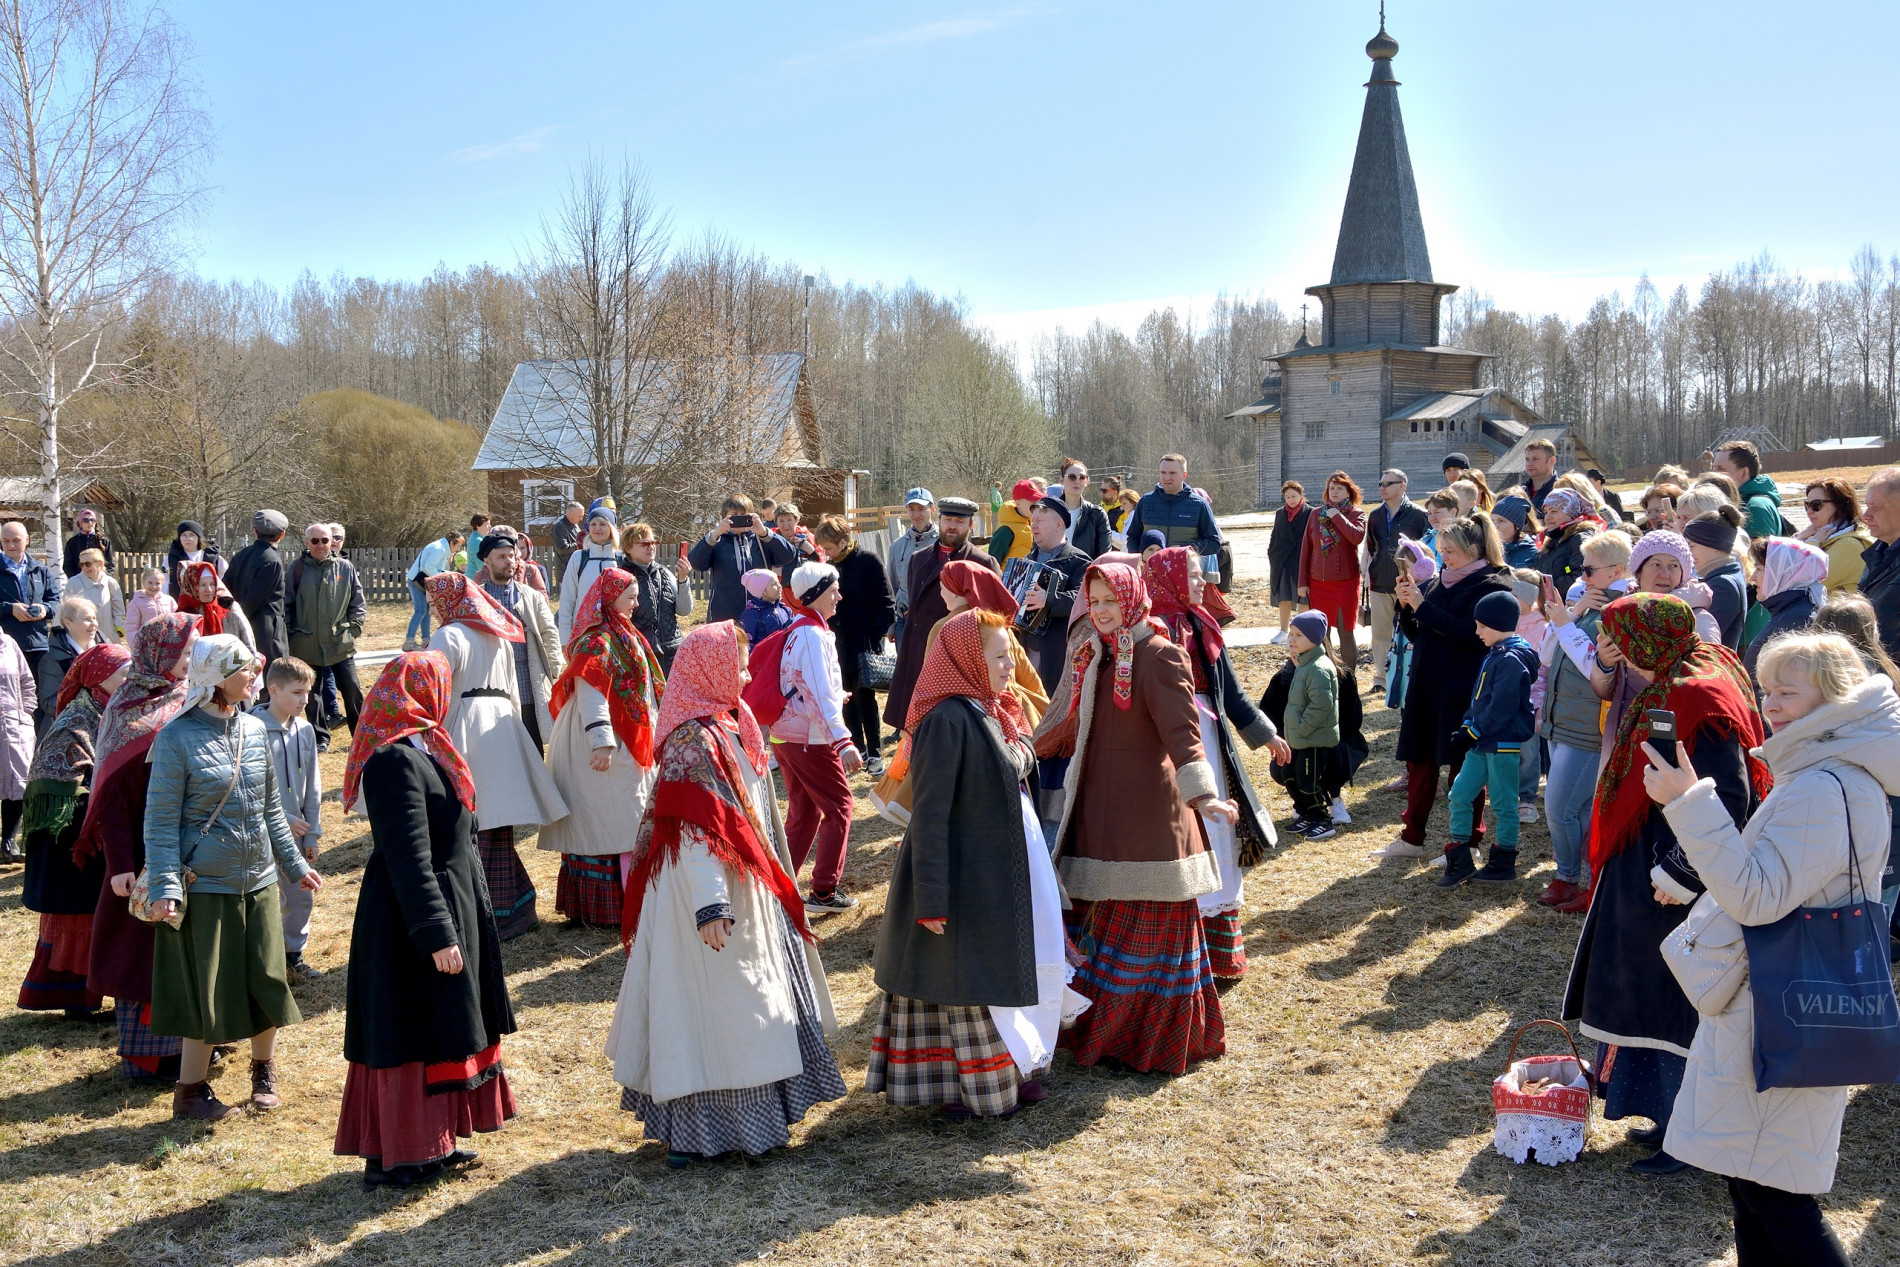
<point>1380,389</point>
<point>538,450</point>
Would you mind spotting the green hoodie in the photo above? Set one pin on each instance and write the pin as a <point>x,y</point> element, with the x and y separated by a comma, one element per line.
<point>1761,508</point>
<point>1312,701</point>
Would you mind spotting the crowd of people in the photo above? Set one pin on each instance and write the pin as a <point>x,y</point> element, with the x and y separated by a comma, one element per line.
<point>1066,732</point>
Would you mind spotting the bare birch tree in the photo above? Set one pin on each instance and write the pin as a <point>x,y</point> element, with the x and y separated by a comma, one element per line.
<point>101,141</point>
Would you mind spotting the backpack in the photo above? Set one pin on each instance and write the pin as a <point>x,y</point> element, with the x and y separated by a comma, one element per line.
<point>762,694</point>
<point>1787,525</point>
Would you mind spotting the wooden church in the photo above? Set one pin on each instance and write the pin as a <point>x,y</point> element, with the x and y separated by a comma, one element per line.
<point>1379,389</point>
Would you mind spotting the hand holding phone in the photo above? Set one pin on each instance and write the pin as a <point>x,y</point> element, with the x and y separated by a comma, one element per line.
<point>1662,733</point>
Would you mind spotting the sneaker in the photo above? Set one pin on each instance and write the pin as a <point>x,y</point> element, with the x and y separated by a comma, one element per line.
<point>301,969</point>
<point>874,767</point>
<point>1400,848</point>
<point>1458,867</point>
<point>1341,815</point>
<point>1277,638</point>
<point>10,851</point>
<point>829,903</point>
<point>1527,811</point>
<point>1500,867</point>
<point>1320,831</point>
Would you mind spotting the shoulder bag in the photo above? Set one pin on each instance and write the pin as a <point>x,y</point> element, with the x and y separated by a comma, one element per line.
<point>1707,957</point>
<point>1825,1013</point>
<point>140,902</point>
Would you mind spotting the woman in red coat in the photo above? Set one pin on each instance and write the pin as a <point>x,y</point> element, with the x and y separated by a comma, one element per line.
<point>1329,561</point>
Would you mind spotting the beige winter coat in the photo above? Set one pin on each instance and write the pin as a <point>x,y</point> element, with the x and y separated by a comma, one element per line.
<point>1792,853</point>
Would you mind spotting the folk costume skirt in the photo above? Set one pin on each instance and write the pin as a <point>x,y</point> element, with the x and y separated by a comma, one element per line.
<point>926,1054</point>
<point>1150,984</point>
<point>407,1116</point>
<point>1220,910</point>
<point>509,887</point>
<point>750,1119</point>
<point>143,1054</point>
<point>219,976</point>
<point>57,976</point>
<point>589,888</point>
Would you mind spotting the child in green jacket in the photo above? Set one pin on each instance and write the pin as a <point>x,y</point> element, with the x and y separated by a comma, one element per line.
<point>1312,723</point>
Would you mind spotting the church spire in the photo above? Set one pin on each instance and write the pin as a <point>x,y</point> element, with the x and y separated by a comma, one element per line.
<point>1381,237</point>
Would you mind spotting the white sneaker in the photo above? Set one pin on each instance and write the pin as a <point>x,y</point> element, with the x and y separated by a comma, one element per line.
<point>1527,811</point>
<point>1400,848</point>
<point>1277,638</point>
<point>1340,814</point>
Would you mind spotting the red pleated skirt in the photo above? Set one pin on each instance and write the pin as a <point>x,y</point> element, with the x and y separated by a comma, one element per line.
<point>389,1114</point>
<point>57,976</point>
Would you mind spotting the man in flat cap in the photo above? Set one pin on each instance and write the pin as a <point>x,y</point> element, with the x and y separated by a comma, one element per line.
<point>1045,634</point>
<point>955,517</point>
<point>256,580</point>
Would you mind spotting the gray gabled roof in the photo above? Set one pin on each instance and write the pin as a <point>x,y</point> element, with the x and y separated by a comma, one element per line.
<point>1571,450</point>
<point>541,422</point>
<point>1381,235</point>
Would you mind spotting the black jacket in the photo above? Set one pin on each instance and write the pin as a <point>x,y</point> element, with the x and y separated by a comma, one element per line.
<point>866,610</point>
<point>1283,553</point>
<point>61,651</point>
<point>1880,585</point>
<point>1729,602</point>
<point>256,580</point>
<point>422,891</point>
<point>1051,644</point>
<point>1091,530</point>
<point>1562,560</point>
<point>926,609</point>
<point>964,859</point>
<point>728,559</point>
<point>85,541</point>
<point>1382,541</point>
<point>654,614</point>
<point>1446,657</point>
<point>39,589</point>
<point>175,563</point>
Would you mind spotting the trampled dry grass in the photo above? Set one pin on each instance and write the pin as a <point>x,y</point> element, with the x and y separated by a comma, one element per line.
<point>1349,1121</point>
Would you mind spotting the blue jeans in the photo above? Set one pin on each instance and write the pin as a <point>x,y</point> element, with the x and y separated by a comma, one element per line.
<point>418,614</point>
<point>1530,767</point>
<point>1569,796</point>
<point>1498,771</point>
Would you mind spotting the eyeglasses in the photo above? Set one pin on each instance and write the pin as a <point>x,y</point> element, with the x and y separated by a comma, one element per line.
<point>1816,505</point>
<point>647,542</point>
<point>1390,483</point>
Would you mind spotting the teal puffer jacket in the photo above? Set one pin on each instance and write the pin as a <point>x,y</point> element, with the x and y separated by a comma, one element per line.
<point>249,840</point>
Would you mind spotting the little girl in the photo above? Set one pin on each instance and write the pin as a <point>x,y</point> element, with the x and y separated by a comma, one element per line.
<point>764,613</point>
<point>1532,628</point>
<point>149,603</point>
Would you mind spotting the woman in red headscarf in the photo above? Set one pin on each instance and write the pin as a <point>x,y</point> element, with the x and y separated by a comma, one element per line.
<point>203,595</point>
<point>601,749</point>
<point>428,1002</point>
<point>57,784</point>
<point>1620,988</point>
<point>1176,585</point>
<point>1129,843</point>
<point>113,826</point>
<point>973,992</point>
<point>718,1037</point>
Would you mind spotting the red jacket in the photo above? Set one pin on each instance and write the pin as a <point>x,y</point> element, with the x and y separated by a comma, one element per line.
<point>1341,562</point>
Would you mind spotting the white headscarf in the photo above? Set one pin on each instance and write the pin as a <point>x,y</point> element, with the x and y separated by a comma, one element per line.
<point>213,659</point>
<point>1790,564</point>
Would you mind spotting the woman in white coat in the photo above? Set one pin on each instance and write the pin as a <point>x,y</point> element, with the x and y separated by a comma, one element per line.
<point>512,786</point>
<point>600,751</point>
<point>718,1036</point>
<point>1835,755</point>
<point>597,552</point>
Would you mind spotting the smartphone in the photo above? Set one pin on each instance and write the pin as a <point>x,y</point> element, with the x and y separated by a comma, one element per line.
<point>1662,733</point>
<point>1405,566</point>
<point>742,521</point>
<point>1550,591</point>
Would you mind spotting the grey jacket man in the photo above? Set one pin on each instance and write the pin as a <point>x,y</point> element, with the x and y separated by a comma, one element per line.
<point>897,566</point>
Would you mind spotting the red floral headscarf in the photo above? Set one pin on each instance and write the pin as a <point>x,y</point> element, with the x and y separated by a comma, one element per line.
<point>457,600</point>
<point>411,697</point>
<point>1133,597</point>
<point>1168,576</point>
<point>91,667</point>
<point>705,684</point>
<point>978,586</point>
<point>954,665</point>
<point>210,615</point>
<point>609,654</point>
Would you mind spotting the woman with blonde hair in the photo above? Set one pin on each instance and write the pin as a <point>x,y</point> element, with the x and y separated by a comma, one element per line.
<point>1816,840</point>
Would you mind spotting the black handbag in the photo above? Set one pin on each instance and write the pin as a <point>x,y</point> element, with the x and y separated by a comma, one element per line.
<point>875,670</point>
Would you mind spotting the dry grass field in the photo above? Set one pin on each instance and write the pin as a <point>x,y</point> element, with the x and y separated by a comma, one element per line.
<point>1349,1121</point>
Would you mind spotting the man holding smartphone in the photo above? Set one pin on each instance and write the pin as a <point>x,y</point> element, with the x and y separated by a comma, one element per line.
<point>738,541</point>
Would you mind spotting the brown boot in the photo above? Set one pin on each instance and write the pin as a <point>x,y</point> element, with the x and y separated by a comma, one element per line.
<point>264,1085</point>
<point>194,1101</point>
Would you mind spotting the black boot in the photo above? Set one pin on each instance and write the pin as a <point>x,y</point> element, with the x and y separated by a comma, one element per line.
<point>1458,865</point>
<point>1500,867</point>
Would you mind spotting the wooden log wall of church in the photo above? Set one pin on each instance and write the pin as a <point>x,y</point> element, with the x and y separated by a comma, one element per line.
<point>1333,406</point>
<point>1421,454</point>
<point>1416,374</point>
<point>1269,456</point>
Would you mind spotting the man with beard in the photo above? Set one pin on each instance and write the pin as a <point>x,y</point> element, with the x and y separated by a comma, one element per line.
<point>538,659</point>
<point>955,517</point>
<point>1045,628</point>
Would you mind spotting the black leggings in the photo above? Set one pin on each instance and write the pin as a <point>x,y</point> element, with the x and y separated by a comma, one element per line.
<point>10,818</point>
<point>1773,1227</point>
<point>860,716</point>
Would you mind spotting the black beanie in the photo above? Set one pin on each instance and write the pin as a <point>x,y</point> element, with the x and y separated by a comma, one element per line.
<point>1498,610</point>
<point>1711,530</point>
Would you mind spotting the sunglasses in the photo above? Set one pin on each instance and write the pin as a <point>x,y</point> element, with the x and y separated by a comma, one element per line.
<point>647,542</point>
<point>317,541</point>
<point>1816,505</point>
<point>1390,483</point>
<point>1590,570</point>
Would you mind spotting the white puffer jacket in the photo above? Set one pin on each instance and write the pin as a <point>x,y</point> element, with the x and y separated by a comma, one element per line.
<point>1792,853</point>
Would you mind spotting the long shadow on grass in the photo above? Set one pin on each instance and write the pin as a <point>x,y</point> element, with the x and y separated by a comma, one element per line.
<point>22,1030</point>
<point>1390,912</point>
<point>102,1093</point>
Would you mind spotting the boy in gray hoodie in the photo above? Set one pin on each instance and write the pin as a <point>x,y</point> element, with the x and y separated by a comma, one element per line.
<point>293,751</point>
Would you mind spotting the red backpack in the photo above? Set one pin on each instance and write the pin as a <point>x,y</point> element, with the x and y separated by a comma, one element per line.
<point>762,694</point>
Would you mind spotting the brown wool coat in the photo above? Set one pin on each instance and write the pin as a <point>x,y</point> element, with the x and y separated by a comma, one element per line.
<point>1127,833</point>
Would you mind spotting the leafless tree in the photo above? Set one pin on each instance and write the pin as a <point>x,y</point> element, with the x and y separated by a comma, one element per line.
<point>101,142</point>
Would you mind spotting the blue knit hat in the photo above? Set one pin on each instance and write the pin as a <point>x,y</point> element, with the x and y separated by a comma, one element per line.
<point>1154,537</point>
<point>1499,610</point>
<point>604,508</point>
<point>1313,625</point>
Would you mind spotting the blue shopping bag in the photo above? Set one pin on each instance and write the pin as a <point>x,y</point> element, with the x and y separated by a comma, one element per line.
<point>1825,1012</point>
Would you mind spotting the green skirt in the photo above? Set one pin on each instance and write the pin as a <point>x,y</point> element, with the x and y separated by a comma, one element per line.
<point>219,977</point>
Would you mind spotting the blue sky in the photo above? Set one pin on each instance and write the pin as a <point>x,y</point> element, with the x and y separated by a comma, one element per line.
<point>1054,161</point>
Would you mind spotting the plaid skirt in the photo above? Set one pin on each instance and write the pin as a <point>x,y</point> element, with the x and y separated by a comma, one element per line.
<point>510,891</point>
<point>588,889</point>
<point>1148,976</point>
<point>927,1054</point>
<point>57,976</point>
<point>143,1054</point>
<point>1226,945</point>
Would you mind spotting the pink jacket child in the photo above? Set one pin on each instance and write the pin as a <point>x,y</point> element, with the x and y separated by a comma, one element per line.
<point>149,603</point>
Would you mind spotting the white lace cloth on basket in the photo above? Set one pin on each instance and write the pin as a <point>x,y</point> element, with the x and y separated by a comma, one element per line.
<point>1553,1139</point>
